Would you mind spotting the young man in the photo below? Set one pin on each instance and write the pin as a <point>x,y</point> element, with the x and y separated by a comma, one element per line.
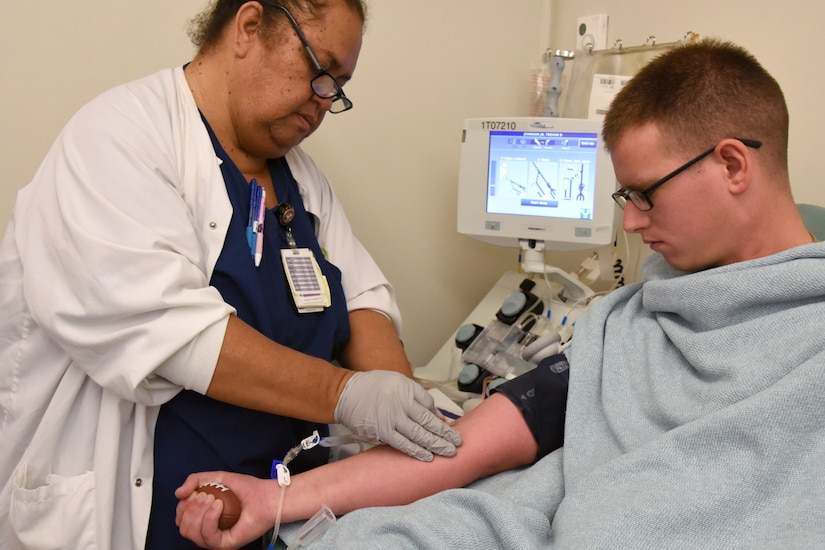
<point>694,416</point>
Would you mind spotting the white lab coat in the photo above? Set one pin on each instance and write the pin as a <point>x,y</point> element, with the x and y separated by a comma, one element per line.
<point>108,312</point>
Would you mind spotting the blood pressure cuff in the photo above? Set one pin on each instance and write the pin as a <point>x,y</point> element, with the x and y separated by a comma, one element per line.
<point>541,396</point>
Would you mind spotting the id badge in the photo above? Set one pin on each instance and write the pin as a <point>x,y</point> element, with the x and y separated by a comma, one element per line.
<point>308,285</point>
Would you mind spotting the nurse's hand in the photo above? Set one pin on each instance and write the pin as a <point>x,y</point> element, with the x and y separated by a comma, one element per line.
<point>197,513</point>
<point>387,407</point>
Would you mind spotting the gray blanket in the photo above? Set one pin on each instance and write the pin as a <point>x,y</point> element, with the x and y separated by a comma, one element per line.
<point>700,423</point>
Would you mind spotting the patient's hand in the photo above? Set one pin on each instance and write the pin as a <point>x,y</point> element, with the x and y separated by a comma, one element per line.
<point>198,513</point>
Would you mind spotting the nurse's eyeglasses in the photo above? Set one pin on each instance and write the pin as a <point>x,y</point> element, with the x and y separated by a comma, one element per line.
<point>323,84</point>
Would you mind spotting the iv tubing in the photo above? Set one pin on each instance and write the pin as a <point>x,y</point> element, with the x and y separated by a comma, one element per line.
<point>322,519</point>
<point>282,475</point>
<point>277,527</point>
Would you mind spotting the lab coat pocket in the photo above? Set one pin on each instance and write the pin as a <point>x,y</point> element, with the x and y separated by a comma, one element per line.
<point>59,514</point>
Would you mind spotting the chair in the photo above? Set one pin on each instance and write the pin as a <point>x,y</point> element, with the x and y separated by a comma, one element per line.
<point>814,218</point>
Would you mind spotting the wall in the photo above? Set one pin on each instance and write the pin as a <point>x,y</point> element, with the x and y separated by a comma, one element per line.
<point>57,55</point>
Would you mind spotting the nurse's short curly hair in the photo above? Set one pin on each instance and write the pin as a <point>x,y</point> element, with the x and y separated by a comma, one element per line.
<point>205,28</point>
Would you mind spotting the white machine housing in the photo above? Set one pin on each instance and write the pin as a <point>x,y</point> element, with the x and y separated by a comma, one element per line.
<point>536,178</point>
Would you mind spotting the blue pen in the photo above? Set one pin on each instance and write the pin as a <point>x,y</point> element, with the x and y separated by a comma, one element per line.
<point>253,214</point>
<point>259,227</point>
<point>254,207</point>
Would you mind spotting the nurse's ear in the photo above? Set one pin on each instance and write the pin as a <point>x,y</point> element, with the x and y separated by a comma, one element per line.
<point>247,27</point>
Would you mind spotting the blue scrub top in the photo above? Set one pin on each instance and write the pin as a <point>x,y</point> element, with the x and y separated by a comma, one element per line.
<point>195,433</point>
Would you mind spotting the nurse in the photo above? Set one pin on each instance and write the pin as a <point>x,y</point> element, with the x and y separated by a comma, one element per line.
<point>177,281</point>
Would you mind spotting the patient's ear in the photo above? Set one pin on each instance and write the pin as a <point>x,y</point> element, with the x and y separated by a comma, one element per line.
<point>738,165</point>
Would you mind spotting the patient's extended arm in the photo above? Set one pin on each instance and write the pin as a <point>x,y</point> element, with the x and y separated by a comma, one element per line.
<point>496,438</point>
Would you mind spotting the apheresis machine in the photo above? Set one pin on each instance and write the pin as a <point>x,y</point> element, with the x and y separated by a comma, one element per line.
<point>539,185</point>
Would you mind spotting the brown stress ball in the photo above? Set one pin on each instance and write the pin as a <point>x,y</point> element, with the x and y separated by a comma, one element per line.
<point>231,504</point>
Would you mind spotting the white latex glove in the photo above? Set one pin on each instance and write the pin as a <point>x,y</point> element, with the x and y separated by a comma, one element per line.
<point>388,407</point>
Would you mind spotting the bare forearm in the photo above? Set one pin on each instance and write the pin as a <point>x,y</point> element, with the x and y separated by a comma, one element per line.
<point>495,439</point>
<point>257,373</point>
<point>374,344</point>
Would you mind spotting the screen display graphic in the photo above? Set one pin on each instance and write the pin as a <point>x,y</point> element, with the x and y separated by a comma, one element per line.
<point>545,174</point>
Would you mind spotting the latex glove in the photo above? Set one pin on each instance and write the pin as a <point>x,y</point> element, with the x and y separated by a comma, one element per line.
<point>388,407</point>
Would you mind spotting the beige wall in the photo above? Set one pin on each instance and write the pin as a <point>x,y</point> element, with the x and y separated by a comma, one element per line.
<point>426,65</point>
<point>56,55</point>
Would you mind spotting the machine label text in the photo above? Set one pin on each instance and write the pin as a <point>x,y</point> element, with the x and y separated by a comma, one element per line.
<point>498,125</point>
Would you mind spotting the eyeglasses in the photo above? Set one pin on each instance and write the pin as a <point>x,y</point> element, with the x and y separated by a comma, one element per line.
<point>323,84</point>
<point>641,199</point>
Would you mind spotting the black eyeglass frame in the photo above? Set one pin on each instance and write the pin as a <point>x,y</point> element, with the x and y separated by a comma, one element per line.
<point>641,199</point>
<point>323,84</point>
